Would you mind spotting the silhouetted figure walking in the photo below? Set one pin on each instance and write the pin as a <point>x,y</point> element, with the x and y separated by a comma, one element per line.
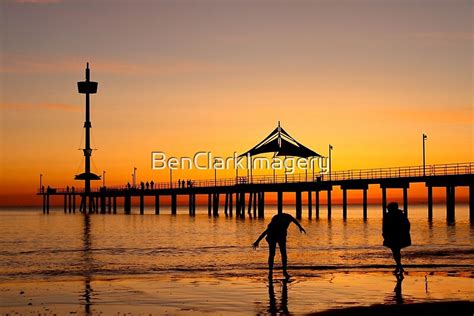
<point>276,234</point>
<point>152,184</point>
<point>396,233</point>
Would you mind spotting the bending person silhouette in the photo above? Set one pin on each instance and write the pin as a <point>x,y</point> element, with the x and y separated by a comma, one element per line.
<point>396,233</point>
<point>276,234</point>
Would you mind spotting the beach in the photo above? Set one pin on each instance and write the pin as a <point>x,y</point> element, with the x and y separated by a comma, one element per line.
<point>68,264</point>
<point>201,294</point>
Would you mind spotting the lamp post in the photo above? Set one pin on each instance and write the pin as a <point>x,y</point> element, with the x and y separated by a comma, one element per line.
<point>134,177</point>
<point>215,172</point>
<point>171,178</point>
<point>330,160</point>
<point>424,153</point>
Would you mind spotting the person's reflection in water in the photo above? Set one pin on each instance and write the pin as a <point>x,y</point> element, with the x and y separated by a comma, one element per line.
<point>398,289</point>
<point>273,308</point>
<point>87,260</point>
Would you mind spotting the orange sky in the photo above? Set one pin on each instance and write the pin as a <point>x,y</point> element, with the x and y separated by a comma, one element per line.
<point>368,77</point>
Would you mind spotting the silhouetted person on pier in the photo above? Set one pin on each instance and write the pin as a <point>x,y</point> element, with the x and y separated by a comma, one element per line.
<point>152,184</point>
<point>142,185</point>
<point>128,185</point>
<point>396,233</point>
<point>147,184</point>
<point>179,183</point>
<point>276,234</point>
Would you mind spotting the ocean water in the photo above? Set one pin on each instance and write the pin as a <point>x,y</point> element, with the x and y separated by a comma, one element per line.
<point>36,246</point>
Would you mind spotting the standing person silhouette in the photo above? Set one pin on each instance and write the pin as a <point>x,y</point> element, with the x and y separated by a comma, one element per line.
<point>276,234</point>
<point>396,233</point>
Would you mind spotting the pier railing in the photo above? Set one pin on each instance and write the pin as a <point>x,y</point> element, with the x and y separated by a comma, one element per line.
<point>354,174</point>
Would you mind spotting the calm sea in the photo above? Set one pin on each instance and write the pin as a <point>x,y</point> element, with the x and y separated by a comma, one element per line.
<point>58,245</point>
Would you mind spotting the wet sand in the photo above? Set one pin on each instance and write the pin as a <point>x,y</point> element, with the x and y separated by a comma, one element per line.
<point>329,293</point>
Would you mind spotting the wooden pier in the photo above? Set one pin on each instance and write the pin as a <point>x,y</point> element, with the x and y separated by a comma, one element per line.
<point>246,196</point>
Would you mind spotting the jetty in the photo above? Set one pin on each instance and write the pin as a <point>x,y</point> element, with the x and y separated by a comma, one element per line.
<point>245,196</point>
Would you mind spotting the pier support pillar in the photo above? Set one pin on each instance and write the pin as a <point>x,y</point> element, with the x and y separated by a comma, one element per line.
<point>115,204</point>
<point>384,201</point>
<point>65,203</point>
<point>316,203</point>
<point>127,204</point>
<point>364,204</point>
<point>44,203</point>
<point>142,204</point>
<point>280,202</point>
<point>430,203</point>
<point>102,204</point>
<point>249,207</point>
<point>344,204</point>
<point>73,201</point>
<point>209,205</point>
<point>329,204</point>
<point>237,204</point>
<point>47,203</point>
<point>471,203</point>
<point>298,204</point>
<point>405,200</point>
<point>215,204</point>
<point>226,204</point>
<point>70,203</point>
<point>261,204</point>
<point>157,204</point>
<point>173,204</point>
<point>230,204</point>
<point>310,205</point>
<point>242,204</point>
<point>254,204</point>
<point>450,204</point>
<point>110,205</point>
<point>191,203</point>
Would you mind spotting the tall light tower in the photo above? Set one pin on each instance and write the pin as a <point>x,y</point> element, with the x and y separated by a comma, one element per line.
<point>87,87</point>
